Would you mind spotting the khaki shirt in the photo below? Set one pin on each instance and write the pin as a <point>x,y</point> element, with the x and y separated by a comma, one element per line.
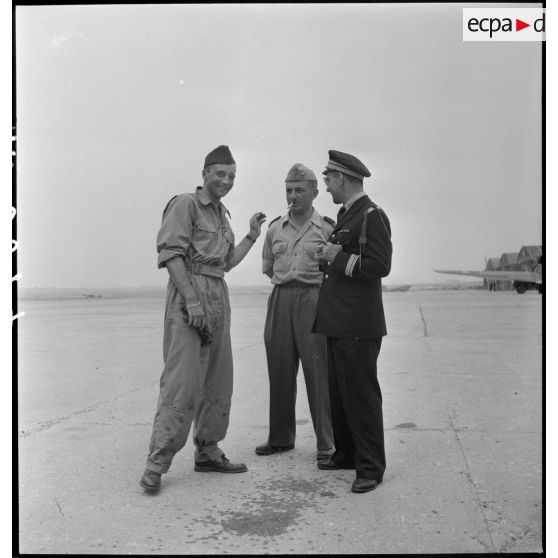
<point>196,229</point>
<point>290,253</point>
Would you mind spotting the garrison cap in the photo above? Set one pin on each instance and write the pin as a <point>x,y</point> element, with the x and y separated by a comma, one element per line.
<point>346,164</point>
<point>219,156</point>
<point>300,173</point>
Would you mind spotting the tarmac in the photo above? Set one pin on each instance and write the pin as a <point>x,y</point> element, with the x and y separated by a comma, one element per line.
<point>461,374</point>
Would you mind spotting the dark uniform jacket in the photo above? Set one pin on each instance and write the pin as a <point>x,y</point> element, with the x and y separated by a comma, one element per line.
<point>350,302</point>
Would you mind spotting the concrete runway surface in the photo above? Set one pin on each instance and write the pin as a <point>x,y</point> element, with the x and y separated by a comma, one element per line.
<point>461,374</point>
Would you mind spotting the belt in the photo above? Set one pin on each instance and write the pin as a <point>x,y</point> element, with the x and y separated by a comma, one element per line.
<point>298,284</point>
<point>203,269</point>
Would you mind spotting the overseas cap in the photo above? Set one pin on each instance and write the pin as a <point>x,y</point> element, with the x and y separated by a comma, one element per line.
<point>347,164</point>
<point>299,173</point>
<point>219,156</point>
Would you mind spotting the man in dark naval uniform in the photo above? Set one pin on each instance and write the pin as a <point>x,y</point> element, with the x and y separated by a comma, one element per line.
<point>350,314</point>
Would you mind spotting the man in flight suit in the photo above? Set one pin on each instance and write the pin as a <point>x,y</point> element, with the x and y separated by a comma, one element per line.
<point>290,259</point>
<point>196,245</point>
<point>350,313</point>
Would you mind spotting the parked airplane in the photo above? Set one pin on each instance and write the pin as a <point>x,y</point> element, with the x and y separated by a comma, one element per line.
<point>521,280</point>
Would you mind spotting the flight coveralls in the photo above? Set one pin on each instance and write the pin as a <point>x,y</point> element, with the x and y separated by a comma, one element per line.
<point>197,381</point>
<point>291,255</point>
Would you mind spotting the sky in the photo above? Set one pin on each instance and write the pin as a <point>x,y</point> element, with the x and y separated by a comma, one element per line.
<point>117,107</point>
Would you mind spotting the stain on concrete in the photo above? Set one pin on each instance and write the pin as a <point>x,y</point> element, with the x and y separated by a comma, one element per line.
<point>265,523</point>
<point>406,425</point>
<point>277,505</point>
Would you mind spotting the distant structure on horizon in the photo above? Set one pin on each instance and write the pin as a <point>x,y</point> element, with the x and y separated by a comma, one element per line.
<point>525,260</point>
<point>521,271</point>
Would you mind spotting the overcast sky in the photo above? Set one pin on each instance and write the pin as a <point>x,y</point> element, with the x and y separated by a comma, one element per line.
<point>117,107</point>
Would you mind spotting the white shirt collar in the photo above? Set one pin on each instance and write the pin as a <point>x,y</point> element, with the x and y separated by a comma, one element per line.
<point>356,197</point>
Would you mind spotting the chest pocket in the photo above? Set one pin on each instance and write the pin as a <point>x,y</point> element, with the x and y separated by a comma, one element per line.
<point>311,251</point>
<point>205,237</point>
<point>280,258</point>
<point>205,226</point>
<point>278,248</point>
<point>342,236</point>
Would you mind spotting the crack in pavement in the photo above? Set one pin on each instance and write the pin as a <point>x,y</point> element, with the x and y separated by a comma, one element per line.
<point>490,546</point>
<point>514,534</point>
<point>59,507</point>
<point>469,477</point>
<point>463,429</point>
<point>425,328</point>
<point>514,539</point>
<point>250,346</point>
<point>46,424</point>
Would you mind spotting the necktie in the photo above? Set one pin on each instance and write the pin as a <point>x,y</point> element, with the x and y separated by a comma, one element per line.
<point>341,212</point>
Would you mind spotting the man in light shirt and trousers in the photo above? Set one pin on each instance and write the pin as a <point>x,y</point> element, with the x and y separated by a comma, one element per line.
<point>290,259</point>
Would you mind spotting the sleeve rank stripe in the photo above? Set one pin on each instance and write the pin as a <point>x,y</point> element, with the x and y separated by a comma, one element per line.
<point>357,259</point>
<point>351,265</point>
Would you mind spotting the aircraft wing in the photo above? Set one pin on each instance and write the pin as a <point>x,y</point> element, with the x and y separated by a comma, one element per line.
<point>525,276</point>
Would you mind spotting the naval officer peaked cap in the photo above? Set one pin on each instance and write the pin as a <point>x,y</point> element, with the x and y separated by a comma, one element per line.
<point>347,164</point>
<point>300,173</point>
<point>219,156</point>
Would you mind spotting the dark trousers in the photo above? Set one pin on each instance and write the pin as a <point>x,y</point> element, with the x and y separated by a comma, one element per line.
<point>356,405</point>
<point>288,341</point>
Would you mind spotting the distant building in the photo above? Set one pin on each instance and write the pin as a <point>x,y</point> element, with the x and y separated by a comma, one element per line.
<point>508,262</point>
<point>492,264</point>
<point>529,257</point>
<point>524,260</point>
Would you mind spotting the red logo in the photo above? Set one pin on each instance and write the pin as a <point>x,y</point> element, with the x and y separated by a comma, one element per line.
<point>519,25</point>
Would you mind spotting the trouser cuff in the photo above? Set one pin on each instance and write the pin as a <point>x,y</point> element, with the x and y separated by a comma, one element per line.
<point>208,453</point>
<point>157,467</point>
